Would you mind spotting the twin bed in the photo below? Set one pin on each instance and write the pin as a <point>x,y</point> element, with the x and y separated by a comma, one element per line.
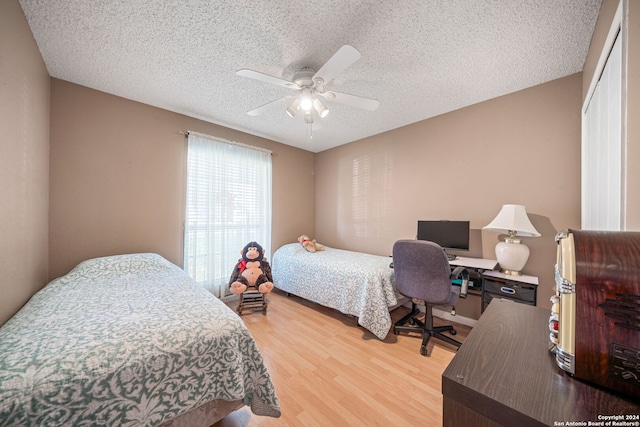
<point>128,340</point>
<point>353,283</point>
<point>131,340</point>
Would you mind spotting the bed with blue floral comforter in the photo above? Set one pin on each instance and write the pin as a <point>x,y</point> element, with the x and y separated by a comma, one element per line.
<point>353,283</point>
<point>126,340</point>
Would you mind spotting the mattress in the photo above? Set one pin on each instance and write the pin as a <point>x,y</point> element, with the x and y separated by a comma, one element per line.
<point>126,340</point>
<point>353,283</point>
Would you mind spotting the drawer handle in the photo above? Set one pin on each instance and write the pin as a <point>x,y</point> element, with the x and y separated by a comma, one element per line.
<point>506,290</point>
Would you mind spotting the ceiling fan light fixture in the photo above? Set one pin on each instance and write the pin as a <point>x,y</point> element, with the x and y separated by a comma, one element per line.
<point>309,85</point>
<point>320,108</point>
<point>306,100</point>
<point>308,118</point>
<point>293,108</point>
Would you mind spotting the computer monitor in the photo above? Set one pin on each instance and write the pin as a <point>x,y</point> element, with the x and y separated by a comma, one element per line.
<point>448,234</point>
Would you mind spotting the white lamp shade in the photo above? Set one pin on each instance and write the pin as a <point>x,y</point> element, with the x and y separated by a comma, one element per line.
<point>320,108</point>
<point>513,218</point>
<point>306,100</point>
<point>293,108</point>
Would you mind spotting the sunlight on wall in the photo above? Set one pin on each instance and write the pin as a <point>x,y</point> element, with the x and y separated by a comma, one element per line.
<point>371,196</point>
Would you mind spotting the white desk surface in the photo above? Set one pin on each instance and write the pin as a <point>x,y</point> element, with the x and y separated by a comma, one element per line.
<point>482,263</point>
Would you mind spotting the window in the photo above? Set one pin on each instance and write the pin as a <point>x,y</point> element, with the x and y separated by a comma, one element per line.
<point>228,204</point>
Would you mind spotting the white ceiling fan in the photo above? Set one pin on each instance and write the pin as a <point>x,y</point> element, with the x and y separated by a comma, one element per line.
<point>310,86</point>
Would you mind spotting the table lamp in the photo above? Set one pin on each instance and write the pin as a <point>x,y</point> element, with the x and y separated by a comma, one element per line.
<point>511,254</point>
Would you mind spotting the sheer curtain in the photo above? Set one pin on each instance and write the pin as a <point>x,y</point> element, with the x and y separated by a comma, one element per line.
<point>228,204</point>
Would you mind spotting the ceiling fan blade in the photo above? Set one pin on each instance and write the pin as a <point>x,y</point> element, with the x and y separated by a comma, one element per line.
<point>340,61</point>
<point>258,110</point>
<point>352,100</point>
<point>267,78</point>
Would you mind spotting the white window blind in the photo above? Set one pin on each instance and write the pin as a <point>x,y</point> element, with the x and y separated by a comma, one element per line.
<point>228,204</point>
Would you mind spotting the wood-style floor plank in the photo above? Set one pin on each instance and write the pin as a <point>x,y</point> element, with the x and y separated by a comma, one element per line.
<point>329,372</point>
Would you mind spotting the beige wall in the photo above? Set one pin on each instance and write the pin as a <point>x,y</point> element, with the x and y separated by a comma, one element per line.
<point>118,178</point>
<point>24,162</point>
<point>521,148</point>
<point>631,48</point>
<point>605,17</point>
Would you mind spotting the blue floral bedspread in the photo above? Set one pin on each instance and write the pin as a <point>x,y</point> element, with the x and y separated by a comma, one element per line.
<point>126,340</point>
<point>353,283</point>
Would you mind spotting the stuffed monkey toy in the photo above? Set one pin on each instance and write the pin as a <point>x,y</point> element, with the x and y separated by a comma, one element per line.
<point>252,270</point>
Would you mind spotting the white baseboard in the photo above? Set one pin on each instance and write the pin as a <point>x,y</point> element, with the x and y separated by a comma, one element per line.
<point>467,321</point>
<point>446,315</point>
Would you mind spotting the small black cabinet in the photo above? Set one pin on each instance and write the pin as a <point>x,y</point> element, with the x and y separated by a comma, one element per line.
<point>521,289</point>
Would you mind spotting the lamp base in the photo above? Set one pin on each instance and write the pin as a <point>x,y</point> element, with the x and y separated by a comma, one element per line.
<point>512,273</point>
<point>512,256</point>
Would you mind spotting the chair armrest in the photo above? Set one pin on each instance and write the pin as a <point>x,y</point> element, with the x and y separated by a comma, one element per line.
<point>461,273</point>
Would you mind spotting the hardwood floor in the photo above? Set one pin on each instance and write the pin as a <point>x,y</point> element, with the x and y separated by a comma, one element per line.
<point>329,372</point>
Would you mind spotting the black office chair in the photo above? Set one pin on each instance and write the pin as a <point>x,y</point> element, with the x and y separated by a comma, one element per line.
<point>422,273</point>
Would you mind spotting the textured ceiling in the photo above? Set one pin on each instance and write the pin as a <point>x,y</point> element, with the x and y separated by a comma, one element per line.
<point>420,58</point>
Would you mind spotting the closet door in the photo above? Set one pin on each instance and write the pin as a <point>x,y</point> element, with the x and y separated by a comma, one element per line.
<point>602,148</point>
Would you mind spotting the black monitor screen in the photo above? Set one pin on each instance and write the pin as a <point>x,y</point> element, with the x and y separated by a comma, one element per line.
<point>448,234</point>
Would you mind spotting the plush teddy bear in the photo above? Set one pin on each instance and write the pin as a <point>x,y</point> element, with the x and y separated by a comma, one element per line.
<point>310,245</point>
<point>252,270</point>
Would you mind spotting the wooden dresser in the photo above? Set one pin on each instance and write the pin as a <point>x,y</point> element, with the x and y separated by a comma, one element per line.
<point>504,375</point>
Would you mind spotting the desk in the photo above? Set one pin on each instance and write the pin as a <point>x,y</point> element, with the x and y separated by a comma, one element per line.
<point>504,375</point>
<point>472,306</point>
<point>475,266</point>
<point>475,263</point>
